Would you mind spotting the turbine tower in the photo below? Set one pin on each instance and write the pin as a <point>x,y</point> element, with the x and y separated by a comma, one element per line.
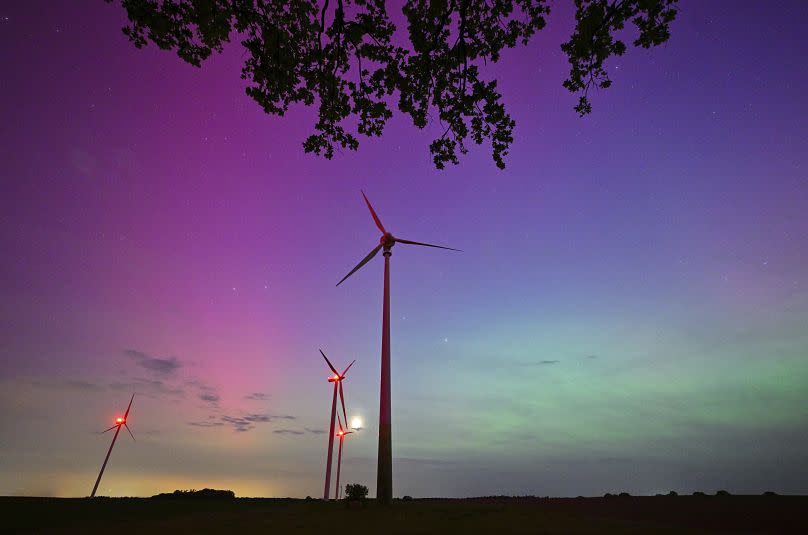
<point>337,380</point>
<point>341,434</point>
<point>119,422</point>
<point>384,471</point>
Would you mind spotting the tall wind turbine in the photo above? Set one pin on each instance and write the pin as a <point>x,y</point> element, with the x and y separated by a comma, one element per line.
<point>341,434</point>
<point>119,422</point>
<point>384,472</point>
<point>337,380</point>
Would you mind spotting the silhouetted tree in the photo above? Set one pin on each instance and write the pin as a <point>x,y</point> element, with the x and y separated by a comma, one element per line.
<point>722,493</point>
<point>341,56</point>
<point>770,493</point>
<point>673,493</point>
<point>356,492</point>
<point>698,493</point>
<point>625,495</point>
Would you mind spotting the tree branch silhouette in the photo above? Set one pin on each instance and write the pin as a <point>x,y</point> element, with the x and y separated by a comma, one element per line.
<point>343,58</point>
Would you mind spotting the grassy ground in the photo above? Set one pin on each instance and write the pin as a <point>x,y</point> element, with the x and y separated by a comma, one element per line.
<point>684,514</point>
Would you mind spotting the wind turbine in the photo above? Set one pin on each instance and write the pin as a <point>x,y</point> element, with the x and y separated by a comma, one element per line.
<point>337,380</point>
<point>341,434</point>
<point>119,422</point>
<point>384,471</point>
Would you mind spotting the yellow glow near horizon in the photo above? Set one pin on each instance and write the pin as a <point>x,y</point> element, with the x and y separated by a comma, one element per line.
<point>74,484</point>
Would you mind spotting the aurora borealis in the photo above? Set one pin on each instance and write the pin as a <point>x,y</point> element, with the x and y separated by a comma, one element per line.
<point>630,312</point>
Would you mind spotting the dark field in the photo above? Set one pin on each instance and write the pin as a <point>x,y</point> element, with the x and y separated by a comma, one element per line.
<point>683,514</point>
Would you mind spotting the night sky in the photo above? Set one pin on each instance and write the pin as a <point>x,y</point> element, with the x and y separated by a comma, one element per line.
<point>630,312</point>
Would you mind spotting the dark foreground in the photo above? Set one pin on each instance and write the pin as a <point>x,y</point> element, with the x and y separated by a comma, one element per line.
<point>682,514</point>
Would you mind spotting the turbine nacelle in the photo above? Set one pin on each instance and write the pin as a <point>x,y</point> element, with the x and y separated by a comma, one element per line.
<point>342,432</point>
<point>387,240</point>
<point>120,421</point>
<point>337,379</point>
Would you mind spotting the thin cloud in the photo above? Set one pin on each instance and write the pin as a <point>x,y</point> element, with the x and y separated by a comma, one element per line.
<point>539,363</point>
<point>206,424</point>
<point>239,424</point>
<point>160,366</point>
<point>410,460</point>
<point>248,421</point>
<point>209,396</point>
<point>401,460</point>
<point>258,418</point>
<point>530,363</point>
<point>315,431</point>
<point>287,432</point>
<point>257,396</point>
<point>206,393</point>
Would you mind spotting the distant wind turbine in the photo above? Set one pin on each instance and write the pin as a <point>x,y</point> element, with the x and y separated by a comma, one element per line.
<point>384,472</point>
<point>341,434</point>
<point>337,380</point>
<point>119,422</point>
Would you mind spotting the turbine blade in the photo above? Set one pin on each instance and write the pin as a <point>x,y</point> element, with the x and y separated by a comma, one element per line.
<point>329,363</point>
<point>410,242</point>
<point>342,400</point>
<point>130,432</point>
<point>348,368</point>
<point>110,429</point>
<point>339,421</point>
<point>362,263</point>
<point>373,213</point>
<point>129,407</point>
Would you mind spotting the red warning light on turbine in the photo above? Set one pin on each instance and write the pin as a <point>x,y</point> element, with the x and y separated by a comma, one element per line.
<point>119,420</point>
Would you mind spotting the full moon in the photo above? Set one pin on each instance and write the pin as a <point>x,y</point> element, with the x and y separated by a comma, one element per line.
<point>356,423</point>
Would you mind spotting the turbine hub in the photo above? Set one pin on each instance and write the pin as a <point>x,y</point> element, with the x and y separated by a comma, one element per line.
<point>387,240</point>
